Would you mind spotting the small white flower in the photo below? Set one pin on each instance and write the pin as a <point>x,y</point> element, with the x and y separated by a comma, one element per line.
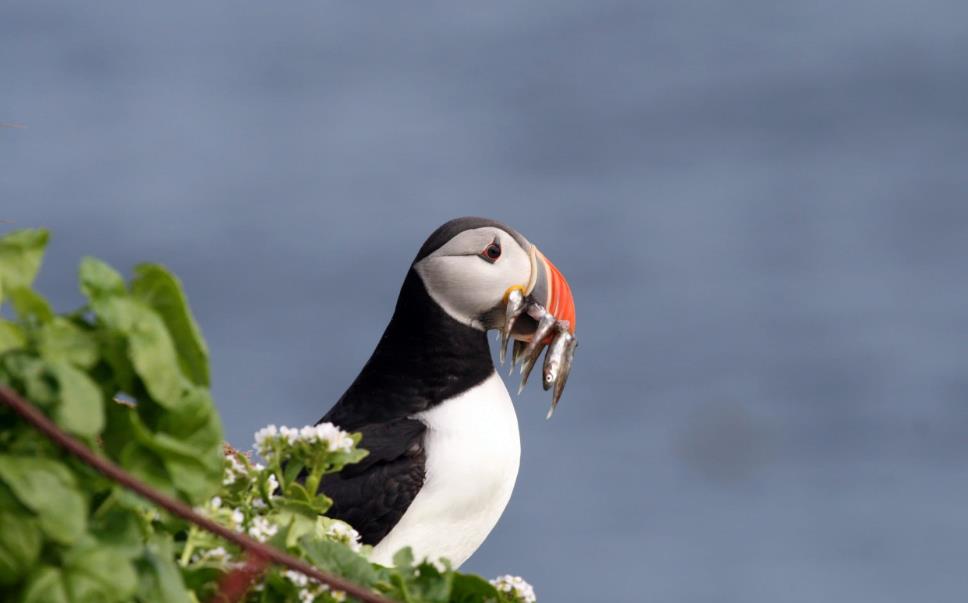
<point>336,439</point>
<point>306,596</point>
<point>516,587</point>
<point>266,433</point>
<point>258,503</point>
<point>237,518</point>
<point>216,502</point>
<point>233,470</point>
<point>338,595</point>
<point>296,578</point>
<point>216,555</point>
<point>342,532</point>
<point>290,434</point>
<point>262,529</point>
<point>258,467</point>
<point>272,484</point>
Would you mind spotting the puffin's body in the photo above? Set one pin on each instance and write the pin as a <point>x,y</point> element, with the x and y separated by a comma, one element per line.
<point>435,417</point>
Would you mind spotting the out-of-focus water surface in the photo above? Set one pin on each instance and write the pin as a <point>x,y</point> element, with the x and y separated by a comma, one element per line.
<point>762,209</point>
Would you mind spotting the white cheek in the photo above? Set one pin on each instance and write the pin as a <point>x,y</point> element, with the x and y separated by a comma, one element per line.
<point>467,286</point>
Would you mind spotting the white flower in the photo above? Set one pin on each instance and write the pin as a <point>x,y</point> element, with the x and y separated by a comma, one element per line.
<point>262,529</point>
<point>215,503</point>
<point>306,596</point>
<point>272,484</point>
<point>233,470</point>
<point>296,578</point>
<point>258,503</point>
<point>336,439</point>
<point>342,532</point>
<point>264,439</point>
<point>216,555</point>
<point>290,434</point>
<point>338,595</point>
<point>237,518</point>
<point>516,587</point>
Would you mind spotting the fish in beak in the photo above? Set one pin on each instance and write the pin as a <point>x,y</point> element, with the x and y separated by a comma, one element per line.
<point>540,314</point>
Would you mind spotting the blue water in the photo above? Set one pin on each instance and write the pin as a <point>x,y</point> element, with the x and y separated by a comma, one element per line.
<point>762,209</point>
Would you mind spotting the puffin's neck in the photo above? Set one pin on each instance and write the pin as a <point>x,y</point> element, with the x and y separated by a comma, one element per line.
<point>424,357</point>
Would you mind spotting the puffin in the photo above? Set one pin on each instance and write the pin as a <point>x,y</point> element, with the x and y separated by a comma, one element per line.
<point>434,414</point>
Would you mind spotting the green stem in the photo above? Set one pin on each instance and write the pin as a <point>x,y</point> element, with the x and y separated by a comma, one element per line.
<point>189,548</point>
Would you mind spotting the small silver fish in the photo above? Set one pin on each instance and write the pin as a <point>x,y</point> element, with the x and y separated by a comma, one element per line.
<point>531,353</point>
<point>568,357</point>
<point>554,358</point>
<point>514,309</point>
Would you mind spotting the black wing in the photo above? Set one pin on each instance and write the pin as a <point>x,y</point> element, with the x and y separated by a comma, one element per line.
<point>373,494</point>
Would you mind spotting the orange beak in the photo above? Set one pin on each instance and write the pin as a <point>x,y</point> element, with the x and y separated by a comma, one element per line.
<point>549,288</point>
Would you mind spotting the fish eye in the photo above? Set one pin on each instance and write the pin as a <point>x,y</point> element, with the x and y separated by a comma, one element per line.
<point>492,252</point>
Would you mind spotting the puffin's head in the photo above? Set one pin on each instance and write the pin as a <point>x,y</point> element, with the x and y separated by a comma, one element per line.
<point>470,265</point>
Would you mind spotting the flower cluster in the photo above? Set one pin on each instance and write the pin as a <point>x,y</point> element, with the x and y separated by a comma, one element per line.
<point>344,533</point>
<point>269,438</point>
<point>262,529</point>
<point>309,589</point>
<point>234,469</point>
<point>515,586</point>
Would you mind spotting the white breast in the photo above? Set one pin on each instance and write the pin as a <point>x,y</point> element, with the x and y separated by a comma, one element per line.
<point>473,452</point>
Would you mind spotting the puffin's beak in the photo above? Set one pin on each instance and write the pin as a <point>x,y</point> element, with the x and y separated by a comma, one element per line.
<point>542,313</point>
<point>549,288</point>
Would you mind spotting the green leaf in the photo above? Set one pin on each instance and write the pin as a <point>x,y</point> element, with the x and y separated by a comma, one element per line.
<point>159,578</point>
<point>30,305</point>
<point>98,279</point>
<point>146,466</point>
<point>46,585</point>
<point>38,385</point>
<point>11,336</point>
<point>50,490</point>
<point>62,340</point>
<point>81,407</point>
<point>161,290</point>
<point>338,559</point>
<point>98,574</point>
<point>120,529</point>
<point>468,588</point>
<point>21,253</point>
<point>150,347</point>
<point>20,542</point>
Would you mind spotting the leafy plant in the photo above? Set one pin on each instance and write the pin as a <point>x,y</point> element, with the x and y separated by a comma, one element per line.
<point>67,534</point>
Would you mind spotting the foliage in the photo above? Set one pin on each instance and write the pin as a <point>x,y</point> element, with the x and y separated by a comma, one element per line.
<point>67,534</point>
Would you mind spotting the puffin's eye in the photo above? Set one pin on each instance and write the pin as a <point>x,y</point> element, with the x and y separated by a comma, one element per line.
<point>492,252</point>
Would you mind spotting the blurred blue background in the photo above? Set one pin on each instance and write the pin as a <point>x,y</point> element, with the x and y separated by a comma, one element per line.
<point>760,206</point>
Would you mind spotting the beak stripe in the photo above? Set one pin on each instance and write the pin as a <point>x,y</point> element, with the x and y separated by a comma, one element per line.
<point>560,302</point>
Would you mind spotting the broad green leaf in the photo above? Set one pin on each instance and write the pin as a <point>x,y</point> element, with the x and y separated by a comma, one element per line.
<point>30,305</point>
<point>20,542</point>
<point>21,253</point>
<point>146,466</point>
<point>39,385</point>
<point>159,580</point>
<point>468,588</point>
<point>120,529</point>
<point>62,340</point>
<point>11,336</point>
<point>98,279</point>
<point>339,559</point>
<point>46,585</point>
<point>196,471</point>
<point>81,407</point>
<point>49,489</point>
<point>98,574</point>
<point>150,347</point>
<point>195,422</point>
<point>161,290</point>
